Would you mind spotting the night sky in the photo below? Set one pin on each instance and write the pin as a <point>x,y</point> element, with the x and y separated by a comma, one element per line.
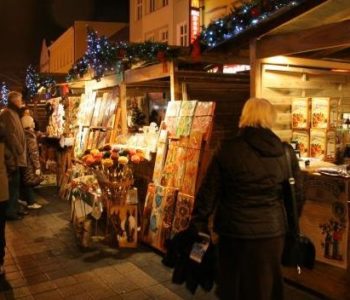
<point>24,23</point>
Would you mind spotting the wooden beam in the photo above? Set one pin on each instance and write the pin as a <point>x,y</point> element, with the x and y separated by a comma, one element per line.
<point>123,107</point>
<point>175,88</point>
<point>326,52</point>
<point>147,73</point>
<point>297,61</point>
<point>322,37</point>
<point>255,71</point>
<point>216,58</point>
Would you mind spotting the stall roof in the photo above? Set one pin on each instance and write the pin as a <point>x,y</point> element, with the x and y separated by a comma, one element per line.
<point>322,32</point>
<point>242,41</point>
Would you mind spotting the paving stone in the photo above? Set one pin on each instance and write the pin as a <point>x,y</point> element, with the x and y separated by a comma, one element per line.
<point>159,291</point>
<point>71,290</point>
<point>65,281</point>
<point>18,292</point>
<point>50,295</point>
<point>14,275</point>
<point>139,295</point>
<point>38,278</point>
<point>56,274</point>
<point>42,287</point>
<point>18,283</point>
<point>101,293</point>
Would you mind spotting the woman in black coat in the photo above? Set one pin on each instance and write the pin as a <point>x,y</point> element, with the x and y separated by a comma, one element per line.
<point>244,185</point>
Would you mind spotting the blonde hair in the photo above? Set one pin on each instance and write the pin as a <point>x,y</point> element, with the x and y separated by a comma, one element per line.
<point>258,112</point>
<point>14,95</point>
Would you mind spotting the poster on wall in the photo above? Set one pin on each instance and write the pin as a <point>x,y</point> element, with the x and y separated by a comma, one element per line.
<point>320,112</point>
<point>303,141</point>
<point>325,219</point>
<point>318,143</point>
<point>300,113</point>
<point>334,104</point>
<point>331,146</point>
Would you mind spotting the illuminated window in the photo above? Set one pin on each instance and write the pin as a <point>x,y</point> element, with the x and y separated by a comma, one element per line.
<point>183,34</point>
<point>165,2</point>
<point>152,5</point>
<point>164,36</point>
<point>138,9</point>
<point>195,3</point>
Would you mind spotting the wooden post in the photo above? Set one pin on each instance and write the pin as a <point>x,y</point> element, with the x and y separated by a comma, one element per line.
<point>123,107</point>
<point>255,71</point>
<point>184,91</point>
<point>175,88</point>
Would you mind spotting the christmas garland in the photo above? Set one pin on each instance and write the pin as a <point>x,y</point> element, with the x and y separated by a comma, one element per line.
<point>33,82</point>
<point>239,20</point>
<point>4,91</point>
<point>103,56</point>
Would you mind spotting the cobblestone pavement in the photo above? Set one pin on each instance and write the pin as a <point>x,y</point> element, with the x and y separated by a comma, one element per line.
<point>43,262</point>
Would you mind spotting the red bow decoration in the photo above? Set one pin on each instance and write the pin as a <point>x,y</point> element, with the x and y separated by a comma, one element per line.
<point>196,49</point>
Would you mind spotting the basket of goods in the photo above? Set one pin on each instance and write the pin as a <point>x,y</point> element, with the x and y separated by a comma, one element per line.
<point>113,170</point>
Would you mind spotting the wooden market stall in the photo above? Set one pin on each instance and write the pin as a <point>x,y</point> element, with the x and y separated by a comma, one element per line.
<point>307,59</point>
<point>159,85</point>
<point>229,91</point>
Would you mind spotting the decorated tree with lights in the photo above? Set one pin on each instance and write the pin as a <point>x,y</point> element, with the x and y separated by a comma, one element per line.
<point>32,82</point>
<point>4,91</point>
<point>100,54</point>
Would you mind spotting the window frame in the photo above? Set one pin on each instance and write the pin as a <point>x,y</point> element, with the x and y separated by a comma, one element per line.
<point>139,10</point>
<point>183,36</point>
<point>152,6</point>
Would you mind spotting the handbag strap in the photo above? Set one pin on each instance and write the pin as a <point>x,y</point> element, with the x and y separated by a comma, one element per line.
<point>291,183</point>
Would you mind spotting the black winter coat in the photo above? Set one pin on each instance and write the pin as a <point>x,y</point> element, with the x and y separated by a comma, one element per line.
<point>244,183</point>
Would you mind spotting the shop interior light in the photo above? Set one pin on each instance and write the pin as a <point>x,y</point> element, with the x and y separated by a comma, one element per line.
<point>279,60</point>
<point>341,70</point>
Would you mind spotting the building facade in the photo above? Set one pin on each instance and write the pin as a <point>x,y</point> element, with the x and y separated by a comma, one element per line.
<point>176,22</point>
<point>71,45</point>
<point>162,20</point>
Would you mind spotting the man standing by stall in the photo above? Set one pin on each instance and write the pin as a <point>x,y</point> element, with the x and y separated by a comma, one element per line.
<point>4,196</point>
<point>15,151</point>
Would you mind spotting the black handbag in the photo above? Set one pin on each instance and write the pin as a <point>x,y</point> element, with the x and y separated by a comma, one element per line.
<point>299,251</point>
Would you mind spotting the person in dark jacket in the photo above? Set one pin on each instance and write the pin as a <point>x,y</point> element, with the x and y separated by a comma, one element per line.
<point>15,151</point>
<point>244,185</point>
<point>30,175</point>
<point>4,196</point>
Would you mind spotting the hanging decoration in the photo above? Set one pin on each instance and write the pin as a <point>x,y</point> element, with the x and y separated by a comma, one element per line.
<point>4,92</point>
<point>245,17</point>
<point>103,56</point>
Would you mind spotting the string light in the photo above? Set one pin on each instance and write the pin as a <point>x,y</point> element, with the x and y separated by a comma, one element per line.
<point>4,91</point>
<point>103,56</point>
<point>241,19</point>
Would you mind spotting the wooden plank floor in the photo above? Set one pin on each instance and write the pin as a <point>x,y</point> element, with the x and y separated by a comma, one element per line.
<point>326,280</point>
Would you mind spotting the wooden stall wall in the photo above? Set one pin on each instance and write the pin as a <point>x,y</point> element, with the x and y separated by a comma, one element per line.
<point>281,83</point>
